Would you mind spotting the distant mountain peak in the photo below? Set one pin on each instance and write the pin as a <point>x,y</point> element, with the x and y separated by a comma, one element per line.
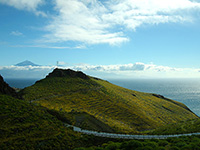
<point>67,73</point>
<point>26,63</point>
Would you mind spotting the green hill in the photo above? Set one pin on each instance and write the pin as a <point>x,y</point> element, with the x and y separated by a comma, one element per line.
<point>123,110</point>
<point>189,126</point>
<point>25,126</point>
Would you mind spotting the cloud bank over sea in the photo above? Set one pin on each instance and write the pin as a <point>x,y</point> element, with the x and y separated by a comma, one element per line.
<point>132,70</point>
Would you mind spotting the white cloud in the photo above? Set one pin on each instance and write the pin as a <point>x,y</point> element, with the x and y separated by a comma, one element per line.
<point>136,70</point>
<point>94,22</point>
<point>81,21</point>
<point>29,5</point>
<point>49,46</point>
<point>16,33</point>
<point>97,22</point>
<point>61,63</point>
<point>122,68</point>
<point>25,71</point>
<point>134,13</point>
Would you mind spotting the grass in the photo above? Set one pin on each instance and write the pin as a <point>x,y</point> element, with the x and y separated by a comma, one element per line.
<point>182,143</point>
<point>189,126</point>
<point>123,110</point>
<point>37,121</point>
<point>26,126</point>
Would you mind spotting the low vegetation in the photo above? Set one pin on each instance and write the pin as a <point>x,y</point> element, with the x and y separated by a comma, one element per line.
<point>25,126</point>
<point>123,110</point>
<point>37,121</point>
<point>189,126</point>
<point>182,143</point>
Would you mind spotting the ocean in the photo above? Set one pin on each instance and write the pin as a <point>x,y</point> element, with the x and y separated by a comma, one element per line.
<point>20,83</point>
<point>186,91</point>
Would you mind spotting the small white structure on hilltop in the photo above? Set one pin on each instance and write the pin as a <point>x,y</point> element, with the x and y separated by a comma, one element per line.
<point>57,63</point>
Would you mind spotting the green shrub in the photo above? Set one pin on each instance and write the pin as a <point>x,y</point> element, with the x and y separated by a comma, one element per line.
<point>174,148</point>
<point>151,144</point>
<point>145,148</point>
<point>80,148</point>
<point>194,146</point>
<point>187,147</point>
<point>112,146</point>
<point>180,144</point>
<point>162,143</point>
<point>160,148</point>
<point>98,148</point>
<point>133,144</point>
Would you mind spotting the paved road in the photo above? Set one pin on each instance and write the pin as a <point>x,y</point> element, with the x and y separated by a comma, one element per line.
<point>126,136</point>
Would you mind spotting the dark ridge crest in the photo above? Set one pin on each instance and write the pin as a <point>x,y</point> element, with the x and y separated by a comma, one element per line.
<point>67,73</point>
<point>6,89</point>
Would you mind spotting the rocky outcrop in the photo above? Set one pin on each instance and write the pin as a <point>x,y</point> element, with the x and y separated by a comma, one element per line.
<point>6,89</point>
<point>67,73</point>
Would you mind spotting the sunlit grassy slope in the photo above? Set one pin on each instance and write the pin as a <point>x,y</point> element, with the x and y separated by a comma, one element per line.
<point>26,126</point>
<point>189,126</point>
<point>122,109</point>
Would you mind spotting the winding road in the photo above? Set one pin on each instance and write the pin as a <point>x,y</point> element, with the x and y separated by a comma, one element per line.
<point>126,136</point>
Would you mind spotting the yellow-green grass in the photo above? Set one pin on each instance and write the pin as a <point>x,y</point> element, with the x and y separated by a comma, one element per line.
<point>26,126</point>
<point>123,110</point>
<point>189,126</point>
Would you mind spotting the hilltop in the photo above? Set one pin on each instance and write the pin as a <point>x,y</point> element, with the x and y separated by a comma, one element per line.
<point>67,73</point>
<point>126,111</point>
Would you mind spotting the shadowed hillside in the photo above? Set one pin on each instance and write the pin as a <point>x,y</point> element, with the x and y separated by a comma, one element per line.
<point>6,89</point>
<point>25,126</point>
<point>122,109</point>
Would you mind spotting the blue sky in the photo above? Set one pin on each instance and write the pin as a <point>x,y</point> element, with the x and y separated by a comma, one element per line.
<point>108,39</point>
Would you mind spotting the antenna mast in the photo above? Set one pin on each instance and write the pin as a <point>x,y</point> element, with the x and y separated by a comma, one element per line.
<point>57,64</point>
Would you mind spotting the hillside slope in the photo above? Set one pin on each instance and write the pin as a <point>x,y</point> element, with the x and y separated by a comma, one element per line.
<point>122,109</point>
<point>189,126</point>
<point>6,89</point>
<point>25,126</point>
